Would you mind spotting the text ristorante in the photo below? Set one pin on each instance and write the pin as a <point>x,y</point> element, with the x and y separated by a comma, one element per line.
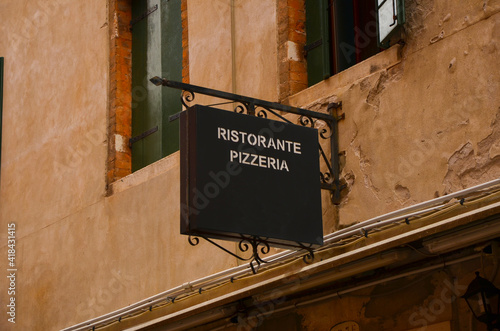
<point>258,140</point>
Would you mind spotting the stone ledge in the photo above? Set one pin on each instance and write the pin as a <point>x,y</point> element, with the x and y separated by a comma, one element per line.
<point>145,174</point>
<point>374,64</point>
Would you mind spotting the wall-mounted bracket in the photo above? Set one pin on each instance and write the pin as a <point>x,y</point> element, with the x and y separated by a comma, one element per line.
<point>334,184</point>
<point>327,124</point>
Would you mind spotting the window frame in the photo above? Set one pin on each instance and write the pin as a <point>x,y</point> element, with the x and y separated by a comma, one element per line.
<point>327,38</point>
<point>119,161</point>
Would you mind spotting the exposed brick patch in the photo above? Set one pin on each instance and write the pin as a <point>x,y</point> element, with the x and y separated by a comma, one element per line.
<point>291,18</point>
<point>120,100</point>
<point>185,44</point>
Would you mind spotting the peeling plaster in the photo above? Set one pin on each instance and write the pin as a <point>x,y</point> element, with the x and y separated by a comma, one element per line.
<point>120,143</point>
<point>293,51</point>
<point>115,25</point>
<point>373,97</point>
<point>402,193</point>
<point>365,167</point>
<point>371,89</point>
<point>416,12</point>
<point>467,164</point>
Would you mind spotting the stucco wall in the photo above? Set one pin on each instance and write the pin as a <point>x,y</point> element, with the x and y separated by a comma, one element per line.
<point>233,46</point>
<point>53,151</point>
<point>54,129</point>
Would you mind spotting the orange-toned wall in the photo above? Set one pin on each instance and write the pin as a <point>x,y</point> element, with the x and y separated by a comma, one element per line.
<point>421,121</point>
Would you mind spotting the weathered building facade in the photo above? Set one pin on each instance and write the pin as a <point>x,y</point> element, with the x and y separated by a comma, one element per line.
<point>96,214</point>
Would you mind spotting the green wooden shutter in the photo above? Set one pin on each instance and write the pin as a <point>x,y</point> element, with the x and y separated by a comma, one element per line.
<point>156,51</point>
<point>390,16</point>
<point>1,105</point>
<point>171,62</point>
<point>146,101</point>
<point>317,49</point>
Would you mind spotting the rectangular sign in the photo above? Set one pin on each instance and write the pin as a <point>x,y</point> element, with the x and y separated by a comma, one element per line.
<point>248,176</point>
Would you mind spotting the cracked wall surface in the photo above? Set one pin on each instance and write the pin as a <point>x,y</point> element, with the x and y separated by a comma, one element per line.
<point>426,126</point>
<point>470,164</point>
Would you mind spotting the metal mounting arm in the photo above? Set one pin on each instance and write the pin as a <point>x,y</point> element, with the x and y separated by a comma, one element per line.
<point>329,179</point>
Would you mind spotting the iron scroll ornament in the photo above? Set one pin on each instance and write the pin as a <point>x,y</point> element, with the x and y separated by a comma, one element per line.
<point>257,245</point>
<point>244,246</point>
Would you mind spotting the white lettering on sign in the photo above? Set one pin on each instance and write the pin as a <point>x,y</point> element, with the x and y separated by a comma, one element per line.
<point>259,141</point>
<point>256,160</point>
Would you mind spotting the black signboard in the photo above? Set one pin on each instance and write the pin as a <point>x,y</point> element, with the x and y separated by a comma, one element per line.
<point>246,176</point>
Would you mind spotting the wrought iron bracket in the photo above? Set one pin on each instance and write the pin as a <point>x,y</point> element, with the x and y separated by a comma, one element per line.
<point>253,244</point>
<point>334,184</point>
<point>327,124</point>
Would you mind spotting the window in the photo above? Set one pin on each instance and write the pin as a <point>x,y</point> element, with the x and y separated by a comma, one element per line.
<point>341,33</point>
<point>156,51</point>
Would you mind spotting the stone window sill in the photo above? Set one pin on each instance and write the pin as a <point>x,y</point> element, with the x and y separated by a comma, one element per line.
<point>145,174</point>
<point>381,61</point>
